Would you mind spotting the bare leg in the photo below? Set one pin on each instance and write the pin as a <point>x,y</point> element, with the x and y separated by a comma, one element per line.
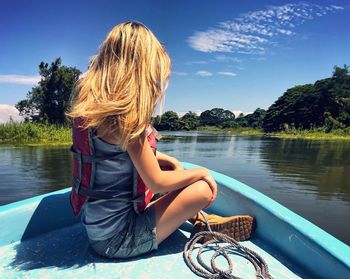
<point>198,215</point>
<point>176,207</point>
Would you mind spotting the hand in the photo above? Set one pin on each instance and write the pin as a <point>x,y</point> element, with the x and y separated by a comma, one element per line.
<point>213,186</point>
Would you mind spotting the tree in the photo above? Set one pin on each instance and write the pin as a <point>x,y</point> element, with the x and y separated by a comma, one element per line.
<point>168,121</point>
<point>190,121</point>
<point>291,108</point>
<point>324,103</point>
<point>341,73</point>
<point>241,121</point>
<point>230,124</point>
<point>48,100</point>
<point>216,117</point>
<point>155,120</point>
<point>331,123</point>
<point>255,119</point>
<point>341,93</point>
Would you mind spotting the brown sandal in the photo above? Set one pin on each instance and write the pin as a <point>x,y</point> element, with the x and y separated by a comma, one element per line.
<point>239,227</point>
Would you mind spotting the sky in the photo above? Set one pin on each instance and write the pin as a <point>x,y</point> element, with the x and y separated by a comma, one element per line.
<point>236,55</point>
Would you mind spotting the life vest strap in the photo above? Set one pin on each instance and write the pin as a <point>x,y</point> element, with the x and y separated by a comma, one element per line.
<point>91,158</point>
<point>98,194</point>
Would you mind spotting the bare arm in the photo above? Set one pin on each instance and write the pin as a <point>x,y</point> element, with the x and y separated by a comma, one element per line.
<point>157,180</point>
<point>165,160</point>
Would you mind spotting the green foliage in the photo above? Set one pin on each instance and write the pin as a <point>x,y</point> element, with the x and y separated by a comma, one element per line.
<point>168,121</point>
<point>255,119</point>
<point>190,121</point>
<point>34,133</point>
<point>292,107</point>
<point>47,101</point>
<point>155,120</point>
<point>324,103</point>
<point>331,123</point>
<point>230,124</point>
<point>216,116</point>
<point>241,121</point>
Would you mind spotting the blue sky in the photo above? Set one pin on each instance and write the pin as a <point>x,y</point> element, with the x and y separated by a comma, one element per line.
<point>238,55</point>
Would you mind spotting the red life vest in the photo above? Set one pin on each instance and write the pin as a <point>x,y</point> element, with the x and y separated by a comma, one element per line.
<point>84,161</point>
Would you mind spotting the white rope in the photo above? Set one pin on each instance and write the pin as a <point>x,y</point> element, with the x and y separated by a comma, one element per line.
<point>213,272</point>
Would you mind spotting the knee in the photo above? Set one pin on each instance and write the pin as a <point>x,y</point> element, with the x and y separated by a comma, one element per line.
<point>203,191</point>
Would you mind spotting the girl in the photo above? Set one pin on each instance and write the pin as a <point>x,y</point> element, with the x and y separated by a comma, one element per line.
<point>116,98</point>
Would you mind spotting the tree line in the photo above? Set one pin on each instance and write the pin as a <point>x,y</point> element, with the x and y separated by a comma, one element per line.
<point>326,103</point>
<point>217,117</point>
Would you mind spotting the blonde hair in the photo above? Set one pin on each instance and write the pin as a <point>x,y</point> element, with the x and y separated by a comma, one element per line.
<point>123,84</point>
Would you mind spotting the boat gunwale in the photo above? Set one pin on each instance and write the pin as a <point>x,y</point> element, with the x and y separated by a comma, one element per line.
<point>313,233</point>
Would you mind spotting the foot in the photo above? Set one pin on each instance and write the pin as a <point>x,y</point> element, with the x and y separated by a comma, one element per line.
<point>239,227</point>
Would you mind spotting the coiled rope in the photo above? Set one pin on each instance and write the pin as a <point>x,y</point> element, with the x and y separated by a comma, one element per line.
<point>213,272</point>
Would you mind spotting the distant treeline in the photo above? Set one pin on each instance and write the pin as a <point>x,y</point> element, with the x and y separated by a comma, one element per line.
<point>215,117</point>
<point>326,104</point>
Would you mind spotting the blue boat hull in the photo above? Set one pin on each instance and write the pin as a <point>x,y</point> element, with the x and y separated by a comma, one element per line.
<point>39,237</point>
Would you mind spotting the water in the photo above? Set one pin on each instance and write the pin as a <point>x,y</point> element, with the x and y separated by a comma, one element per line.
<point>312,178</point>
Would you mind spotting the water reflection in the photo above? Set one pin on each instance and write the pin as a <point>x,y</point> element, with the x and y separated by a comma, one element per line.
<point>29,171</point>
<point>322,165</point>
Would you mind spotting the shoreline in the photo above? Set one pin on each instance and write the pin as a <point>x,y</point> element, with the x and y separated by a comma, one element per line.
<point>282,135</point>
<point>29,134</point>
<point>293,134</point>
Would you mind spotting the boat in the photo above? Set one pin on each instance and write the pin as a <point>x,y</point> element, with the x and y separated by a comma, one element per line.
<point>40,238</point>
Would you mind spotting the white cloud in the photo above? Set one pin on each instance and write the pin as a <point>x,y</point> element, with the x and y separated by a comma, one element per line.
<point>218,40</point>
<point>198,112</point>
<point>217,58</point>
<point>225,58</point>
<point>237,112</point>
<point>336,7</point>
<point>252,32</point>
<point>6,111</point>
<point>204,73</point>
<point>180,73</point>
<point>23,79</point>
<point>19,79</point>
<point>181,113</point>
<point>227,74</point>
<point>201,62</point>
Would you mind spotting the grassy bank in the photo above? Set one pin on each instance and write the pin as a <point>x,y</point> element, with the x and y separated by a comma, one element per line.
<point>314,134</point>
<point>41,134</point>
<point>236,131</point>
<point>34,134</point>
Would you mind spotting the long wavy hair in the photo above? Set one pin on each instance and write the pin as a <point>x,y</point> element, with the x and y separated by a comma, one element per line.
<point>123,84</point>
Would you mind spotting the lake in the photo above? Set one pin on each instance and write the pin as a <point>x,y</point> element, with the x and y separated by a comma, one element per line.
<point>310,177</point>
